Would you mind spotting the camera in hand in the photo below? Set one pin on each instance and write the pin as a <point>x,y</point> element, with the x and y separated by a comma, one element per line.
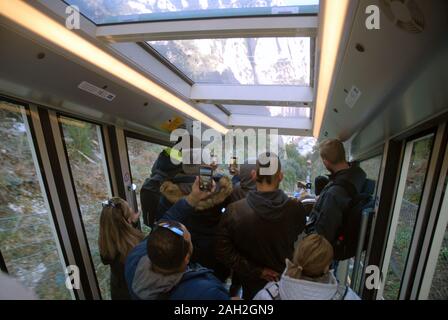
<point>205,178</point>
<point>233,166</point>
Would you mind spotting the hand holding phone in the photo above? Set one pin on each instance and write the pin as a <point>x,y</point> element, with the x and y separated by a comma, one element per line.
<point>196,194</point>
<point>233,168</point>
<point>205,178</point>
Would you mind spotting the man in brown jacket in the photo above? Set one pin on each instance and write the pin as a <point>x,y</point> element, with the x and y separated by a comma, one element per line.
<point>257,234</point>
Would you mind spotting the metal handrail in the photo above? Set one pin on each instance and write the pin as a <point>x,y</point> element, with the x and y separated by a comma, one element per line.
<point>362,235</point>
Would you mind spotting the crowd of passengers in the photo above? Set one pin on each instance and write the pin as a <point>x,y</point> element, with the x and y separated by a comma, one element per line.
<point>243,239</point>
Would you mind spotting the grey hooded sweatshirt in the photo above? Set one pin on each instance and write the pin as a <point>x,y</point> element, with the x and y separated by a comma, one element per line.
<point>259,232</point>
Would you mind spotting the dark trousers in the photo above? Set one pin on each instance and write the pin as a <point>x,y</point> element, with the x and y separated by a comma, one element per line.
<point>150,204</point>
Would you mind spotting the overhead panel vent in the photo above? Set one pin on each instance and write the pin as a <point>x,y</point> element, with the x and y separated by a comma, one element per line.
<point>90,88</point>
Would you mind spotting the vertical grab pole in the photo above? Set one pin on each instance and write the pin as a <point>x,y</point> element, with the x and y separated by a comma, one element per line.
<point>361,239</point>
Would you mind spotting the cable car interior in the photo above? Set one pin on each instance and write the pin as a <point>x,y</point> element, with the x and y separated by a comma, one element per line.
<point>92,90</point>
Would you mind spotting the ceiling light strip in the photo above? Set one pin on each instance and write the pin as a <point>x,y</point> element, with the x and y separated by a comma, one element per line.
<point>334,15</point>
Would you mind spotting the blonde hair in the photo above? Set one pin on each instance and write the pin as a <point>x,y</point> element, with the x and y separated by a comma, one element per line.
<point>332,150</point>
<point>117,237</point>
<point>312,258</point>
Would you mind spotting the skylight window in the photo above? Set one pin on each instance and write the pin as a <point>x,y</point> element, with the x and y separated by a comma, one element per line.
<point>128,11</point>
<point>247,61</point>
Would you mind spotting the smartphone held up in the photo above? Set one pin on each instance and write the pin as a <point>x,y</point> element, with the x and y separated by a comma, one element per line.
<point>206,178</point>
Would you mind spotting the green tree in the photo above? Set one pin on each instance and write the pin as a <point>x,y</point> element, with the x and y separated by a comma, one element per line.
<point>294,168</point>
<point>317,166</point>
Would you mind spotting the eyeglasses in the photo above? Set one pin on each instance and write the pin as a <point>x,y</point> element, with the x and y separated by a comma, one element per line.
<point>169,226</point>
<point>110,204</point>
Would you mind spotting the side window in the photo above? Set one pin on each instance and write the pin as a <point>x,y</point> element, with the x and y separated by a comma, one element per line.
<point>84,145</point>
<point>372,168</point>
<point>435,278</point>
<point>28,238</point>
<point>142,156</point>
<point>439,284</point>
<point>410,190</point>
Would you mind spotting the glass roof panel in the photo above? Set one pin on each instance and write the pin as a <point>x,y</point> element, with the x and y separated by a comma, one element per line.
<point>128,11</point>
<point>247,61</point>
<point>271,111</point>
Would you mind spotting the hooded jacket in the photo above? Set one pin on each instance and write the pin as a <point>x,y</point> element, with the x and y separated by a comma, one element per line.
<point>196,283</point>
<point>203,222</point>
<point>327,215</point>
<point>245,183</point>
<point>259,232</point>
<point>298,289</point>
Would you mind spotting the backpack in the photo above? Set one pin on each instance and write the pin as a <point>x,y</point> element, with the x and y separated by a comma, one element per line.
<point>348,234</point>
<point>150,199</point>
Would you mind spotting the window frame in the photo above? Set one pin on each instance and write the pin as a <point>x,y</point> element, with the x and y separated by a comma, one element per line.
<point>371,221</point>
<point>406,278</point>
<point>31,116</point>
<point>306,14</point>
<point>436,236</point>
<point>144,138</point>
<point>105,162</point>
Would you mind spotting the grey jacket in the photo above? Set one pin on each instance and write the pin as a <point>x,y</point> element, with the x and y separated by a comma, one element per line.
<point>298,289</point>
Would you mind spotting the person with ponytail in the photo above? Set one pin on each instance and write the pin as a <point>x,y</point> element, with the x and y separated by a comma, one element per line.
<point>118,235</point>
<point>308,275</point>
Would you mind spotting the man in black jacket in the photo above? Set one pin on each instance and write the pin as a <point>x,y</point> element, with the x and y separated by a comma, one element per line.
<point>327,216</point>
<point>257,234</point>
<point>245,184</point>
<point>162,170</point>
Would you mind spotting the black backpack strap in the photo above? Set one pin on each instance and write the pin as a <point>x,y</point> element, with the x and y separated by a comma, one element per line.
<point>352,193</point>
<point>274,291</point>
<point>348,187</point>
<point>354,197</point>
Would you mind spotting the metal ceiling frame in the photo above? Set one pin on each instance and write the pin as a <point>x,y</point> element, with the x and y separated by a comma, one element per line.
<point>212,28</point>
<point>121,39</point>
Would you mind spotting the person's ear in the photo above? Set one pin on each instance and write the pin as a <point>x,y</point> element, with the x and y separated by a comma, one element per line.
<point>188,256</point>
<point>326,163</point>
<point>253,175</point>
<point>280,176</point>
<point>187,259</point>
